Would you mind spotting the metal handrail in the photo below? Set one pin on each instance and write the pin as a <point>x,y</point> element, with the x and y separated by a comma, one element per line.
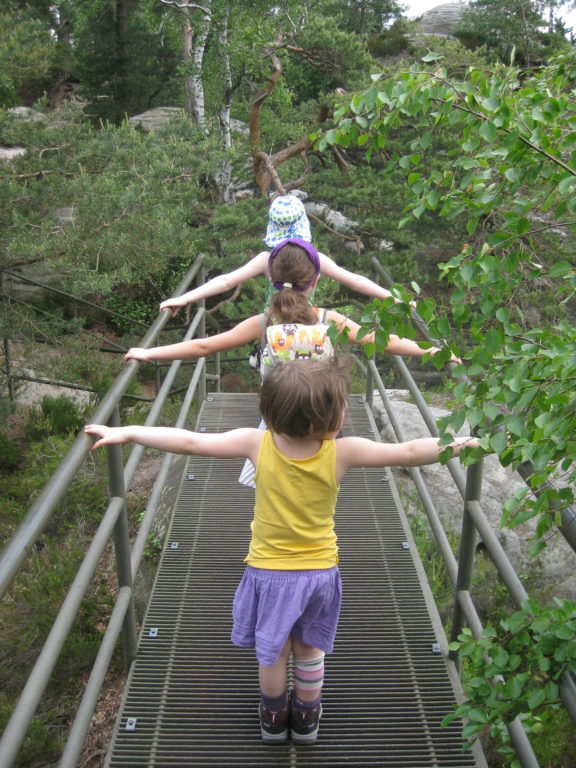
<point>41,511</point>
<point>114,524</point>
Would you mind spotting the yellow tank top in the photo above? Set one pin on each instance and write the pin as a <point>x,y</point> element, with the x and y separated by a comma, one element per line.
<point>293,525</point>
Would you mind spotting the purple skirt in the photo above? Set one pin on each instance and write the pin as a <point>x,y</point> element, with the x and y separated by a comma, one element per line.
<point>270,605</point>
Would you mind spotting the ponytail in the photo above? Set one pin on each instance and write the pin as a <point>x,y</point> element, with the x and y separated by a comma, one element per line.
<point>294,267</point>
<point>290,306</point>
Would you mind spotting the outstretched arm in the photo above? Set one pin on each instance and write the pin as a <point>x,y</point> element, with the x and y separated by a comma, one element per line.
<point>243,333</point>
<point>396,344</point>
<point>235,444</point>
<point>361,452</point>
<point>356,282</point>
<point>256,266</point>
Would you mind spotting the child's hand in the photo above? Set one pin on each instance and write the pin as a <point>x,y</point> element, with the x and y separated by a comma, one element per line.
<point>453,359</point>
<point>107,435</point>
<point>137,353</point>
<point>173,304</point>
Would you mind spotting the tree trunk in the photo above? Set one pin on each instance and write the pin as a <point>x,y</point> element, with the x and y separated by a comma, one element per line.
<point>194,44</point>
<point>224,176</point>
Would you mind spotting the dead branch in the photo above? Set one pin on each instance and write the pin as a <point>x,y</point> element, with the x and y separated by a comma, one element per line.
<point>272,171</point>
<point>314,59</point>
<point>225,301</point>
<point>339,159</point>
<point>34,175</point>
<point>351,238</point>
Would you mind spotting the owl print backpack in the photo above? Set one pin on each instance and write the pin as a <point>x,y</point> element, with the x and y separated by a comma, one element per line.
<point>294,341</point>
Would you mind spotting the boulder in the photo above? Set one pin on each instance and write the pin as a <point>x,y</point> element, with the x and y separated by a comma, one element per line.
<point>155,118</point>
<point>27,113</point>
<point>441,20</point>
<point>10,153</point>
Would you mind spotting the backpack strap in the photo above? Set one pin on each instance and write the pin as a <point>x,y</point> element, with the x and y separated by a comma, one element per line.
<point>263,326</point>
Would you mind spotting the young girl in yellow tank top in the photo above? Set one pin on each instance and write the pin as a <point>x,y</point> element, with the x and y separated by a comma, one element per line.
<point>289,598</point>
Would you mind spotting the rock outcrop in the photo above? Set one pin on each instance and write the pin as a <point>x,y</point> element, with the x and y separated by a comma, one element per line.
<point>441,20</point>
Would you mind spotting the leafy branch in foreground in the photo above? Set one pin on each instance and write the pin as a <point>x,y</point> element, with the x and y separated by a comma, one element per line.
<point>516,668</point>
<point>510,173</point>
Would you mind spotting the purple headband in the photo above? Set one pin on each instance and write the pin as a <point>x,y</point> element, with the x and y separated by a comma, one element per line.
<point>311,252</point>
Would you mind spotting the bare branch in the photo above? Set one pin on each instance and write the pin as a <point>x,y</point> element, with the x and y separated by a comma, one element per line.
<point>272,171</point>
<point>186,5</point>
<point>34,175</point>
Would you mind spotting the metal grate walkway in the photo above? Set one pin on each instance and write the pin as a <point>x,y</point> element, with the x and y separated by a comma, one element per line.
<point>192,696</point>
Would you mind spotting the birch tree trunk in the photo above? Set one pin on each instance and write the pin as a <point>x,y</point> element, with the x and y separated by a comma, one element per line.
<point>225,174</point>
<point>195,35</point>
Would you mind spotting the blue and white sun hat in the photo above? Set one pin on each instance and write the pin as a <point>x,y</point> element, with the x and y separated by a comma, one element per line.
<point>286,219</point>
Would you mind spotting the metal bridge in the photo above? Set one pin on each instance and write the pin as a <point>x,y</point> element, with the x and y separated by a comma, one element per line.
<point>191,697</point>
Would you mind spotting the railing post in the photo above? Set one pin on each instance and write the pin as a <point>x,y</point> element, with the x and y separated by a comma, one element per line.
<point>122,542</point>
<point>467,547</point>
<point>8,370</point>
<point>202,332</point>
<point>370,385</point>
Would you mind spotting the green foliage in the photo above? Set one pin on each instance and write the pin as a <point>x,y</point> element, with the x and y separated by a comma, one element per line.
<point>526,37</point>
<point>135,199</point>
<point>332,58</point>
<point>362,17</point>
<point>56,415</point>
<point>126,66</point>
<point>391,41</point>
<point>510,177</point>
<point>517,667</point>
<point>28,58</point>
<point>9,453</point>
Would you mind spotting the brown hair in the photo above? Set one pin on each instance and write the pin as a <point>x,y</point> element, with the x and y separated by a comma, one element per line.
<point>305,398</point>
<point>291,265</point>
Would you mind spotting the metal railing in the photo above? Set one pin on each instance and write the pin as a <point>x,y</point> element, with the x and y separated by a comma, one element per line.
<point>128,557</point>
<point>114,525</point>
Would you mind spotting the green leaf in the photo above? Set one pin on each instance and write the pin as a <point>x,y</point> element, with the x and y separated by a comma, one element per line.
<point>477,715</point>
<point>536,699</point>
<point>491,104</point>
<point>432,57</point>
<point>488,132</point>
<point>499,442</point>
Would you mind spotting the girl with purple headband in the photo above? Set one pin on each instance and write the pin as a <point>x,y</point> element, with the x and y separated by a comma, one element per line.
<point>294,269</point>
<point>286,220</point>
<point>291,329</point>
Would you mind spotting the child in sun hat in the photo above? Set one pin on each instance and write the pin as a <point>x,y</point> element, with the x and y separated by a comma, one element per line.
<point>286,219</point>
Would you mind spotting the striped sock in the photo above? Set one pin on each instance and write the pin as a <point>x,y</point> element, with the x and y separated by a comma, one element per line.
<point>308,679</point>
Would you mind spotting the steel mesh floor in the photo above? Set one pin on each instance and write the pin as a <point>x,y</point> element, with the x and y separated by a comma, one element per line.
<point>192,696</point>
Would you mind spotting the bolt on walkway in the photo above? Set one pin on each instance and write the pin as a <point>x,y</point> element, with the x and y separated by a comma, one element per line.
<point>192,697</point>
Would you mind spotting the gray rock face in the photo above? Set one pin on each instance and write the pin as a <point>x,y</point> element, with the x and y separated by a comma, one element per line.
<point>441,20</point>
<point>24,291</point>
<point>555,566</point>
<point>10,153</point>
<point>155,118</point>
<point>27,113</point>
